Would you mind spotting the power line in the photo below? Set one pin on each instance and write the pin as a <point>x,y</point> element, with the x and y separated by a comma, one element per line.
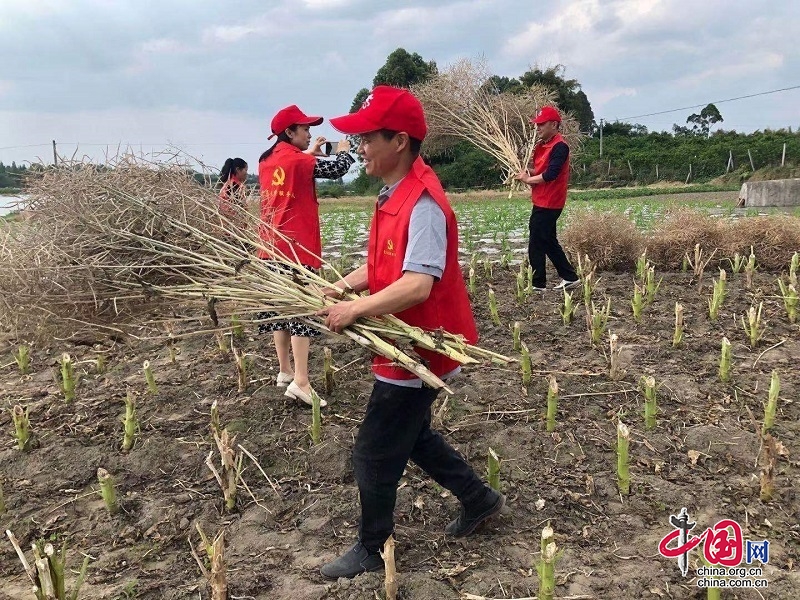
<point>663,112</point>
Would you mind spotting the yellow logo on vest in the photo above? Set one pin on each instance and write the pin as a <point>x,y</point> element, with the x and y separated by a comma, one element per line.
<point>389,250</point>
<point>278,176</point>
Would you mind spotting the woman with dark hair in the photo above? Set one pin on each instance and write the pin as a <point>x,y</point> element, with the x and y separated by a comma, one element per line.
<point>232,194</point>
<point>286,174</point>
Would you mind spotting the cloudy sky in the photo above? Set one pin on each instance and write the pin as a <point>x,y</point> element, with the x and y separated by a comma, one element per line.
<point>206,77</point>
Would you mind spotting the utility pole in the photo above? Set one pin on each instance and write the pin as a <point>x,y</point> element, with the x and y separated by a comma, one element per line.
<point>55,155</point>
<point>601,138</point>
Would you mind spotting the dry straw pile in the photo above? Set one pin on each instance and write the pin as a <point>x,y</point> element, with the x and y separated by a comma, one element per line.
<point>613,242</point>
<point>104,244</point>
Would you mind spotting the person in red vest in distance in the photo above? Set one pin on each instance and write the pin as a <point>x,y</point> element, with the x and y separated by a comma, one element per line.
<point>549,194</point>
<point>412,271</point>
<point>232,194</point>
<point>286,174</point>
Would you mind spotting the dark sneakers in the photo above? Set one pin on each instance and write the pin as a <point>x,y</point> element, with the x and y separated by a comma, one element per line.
<point>355,561</point>
<point>469,518</point>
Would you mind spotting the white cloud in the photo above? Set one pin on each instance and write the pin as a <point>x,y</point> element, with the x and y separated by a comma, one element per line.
<point>601,96</point>
<point>231,34</point>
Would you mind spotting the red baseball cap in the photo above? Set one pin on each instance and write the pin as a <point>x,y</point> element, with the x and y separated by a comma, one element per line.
<point>386,107</point>
<point>291,115</point>
<point>548,113</point>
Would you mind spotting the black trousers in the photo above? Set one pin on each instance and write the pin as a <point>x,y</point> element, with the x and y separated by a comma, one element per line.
<point>396,428</point>
<point>543,242</point>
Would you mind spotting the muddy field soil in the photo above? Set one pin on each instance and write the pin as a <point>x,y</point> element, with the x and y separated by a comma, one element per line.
<point>703,455</point>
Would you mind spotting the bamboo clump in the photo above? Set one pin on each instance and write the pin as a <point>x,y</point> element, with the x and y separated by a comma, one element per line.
<point>568,308</point>
<point>47,572</point>
<point>22,427</point>
<point>637,304</point>
<point>552,404</point>
<point>791,300</point>
<point>149,378</point>
<point>215,570</point>
<point>677,337</point>
<point>650,284</point>
<point>772,403</point>
<point>493,470</point>
<point>623,474</point>
<point>316,418</point>
<point>615,370</point>
<point>768,459</point>
<point>642,265</point>
<point>327,369</point>
<point>598,321</point>
<point>750,269</point>
<point>717,295</point>
<point>545,567</point>
<point>754,326</point>
<point>22,357</point>
<point>240,361</point>
<point>67,371</point>
<point>725,361</point>
<point>737,263</point>
<point>515,336</point>
<point>230,466</point>
<point>650,405</point>
<point>108,490</point>
<point>526,364</point>
<point>130,423</point>
<point>493,307</point>
<point>390,584</point>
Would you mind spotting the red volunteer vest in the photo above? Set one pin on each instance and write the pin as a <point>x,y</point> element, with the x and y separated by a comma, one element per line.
<point>231,195</point>
<point>448,304</point>
<point>549,194</point>
<point>289,204</point>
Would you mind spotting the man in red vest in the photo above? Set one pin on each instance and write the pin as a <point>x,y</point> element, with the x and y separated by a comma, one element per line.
<point>549,194</point>
<point>412,271</point>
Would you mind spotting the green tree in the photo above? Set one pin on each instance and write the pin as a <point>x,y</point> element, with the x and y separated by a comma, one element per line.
<point>402,69</point>
<point>623,128</point>
<point>701,124</point>
<point>359,99</point>
<point>497,85</point>
<point>570,96</point>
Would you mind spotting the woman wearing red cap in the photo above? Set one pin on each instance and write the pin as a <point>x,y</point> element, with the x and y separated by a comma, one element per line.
<point>286,174</point>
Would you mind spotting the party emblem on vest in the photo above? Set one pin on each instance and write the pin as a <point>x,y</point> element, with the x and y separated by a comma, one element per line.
<point>389,250</point>
<point>278,176</point>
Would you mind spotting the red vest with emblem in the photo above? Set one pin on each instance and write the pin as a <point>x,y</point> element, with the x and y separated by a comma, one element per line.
<point>232,195</point>
<point>289,204</point>
<point>447,305</point>
<point>549,194</point>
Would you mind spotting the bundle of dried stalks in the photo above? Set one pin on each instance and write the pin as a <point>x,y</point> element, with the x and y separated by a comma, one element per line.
<point>105,242</point>
<point>678,234</point>
<point>461,104</point>
<point>610,239</point>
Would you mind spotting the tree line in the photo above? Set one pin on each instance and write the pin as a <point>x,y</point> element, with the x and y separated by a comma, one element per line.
<point>12,176</point>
